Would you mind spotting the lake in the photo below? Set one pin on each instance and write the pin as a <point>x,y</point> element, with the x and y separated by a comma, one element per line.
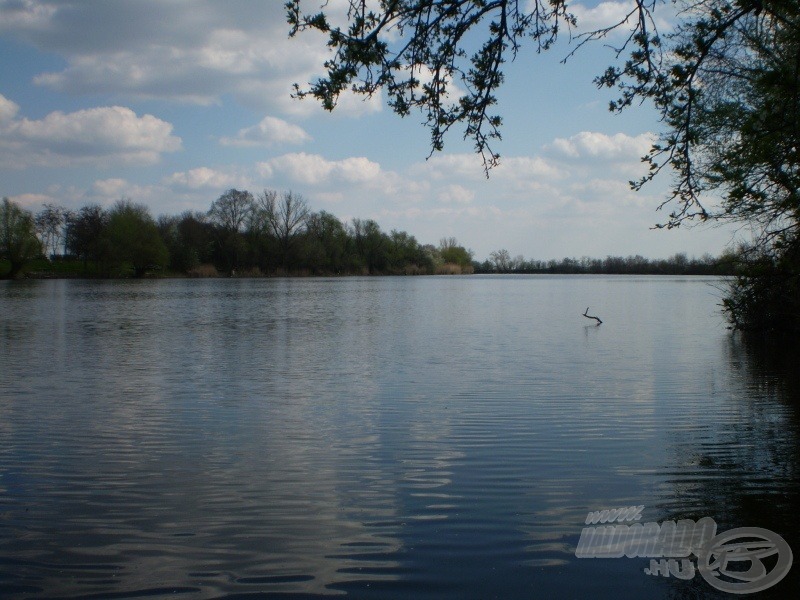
<point>428,437</point>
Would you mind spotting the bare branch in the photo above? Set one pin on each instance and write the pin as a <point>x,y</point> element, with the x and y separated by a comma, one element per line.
<point>588,316</point>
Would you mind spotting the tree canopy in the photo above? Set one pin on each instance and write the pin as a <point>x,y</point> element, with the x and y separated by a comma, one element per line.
<point>420,51</point>
<point>18,241</point>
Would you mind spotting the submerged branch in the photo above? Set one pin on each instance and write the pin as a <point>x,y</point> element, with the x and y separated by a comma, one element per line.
<point>588,316</point>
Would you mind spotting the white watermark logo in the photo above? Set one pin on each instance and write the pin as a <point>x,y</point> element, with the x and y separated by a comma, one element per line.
<point>733,561</point>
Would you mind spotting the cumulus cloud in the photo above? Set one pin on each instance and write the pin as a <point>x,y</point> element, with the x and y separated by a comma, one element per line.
<point>270,131</point>
<point>8,109</point>
<point>613,12</point>
<point>313,169</point>
<point>32,202</point>
<point>529,167</point>
<point>469,167</point>
<point>188,50</point>
<point>25,14</point>
<point>205,177</point>
<point>114,186</point>
<point>595,145</point>
<point>442,166</point>
<point>456,194</point>
<point>96,136</point>
<point>602,15</point>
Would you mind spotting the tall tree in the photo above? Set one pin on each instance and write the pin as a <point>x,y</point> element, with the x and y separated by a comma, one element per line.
<point>86,236</point>
<point>18,241</point>
<point>371,244</point>
<point>285,215</point>
<point>327,243</point>
<point>729,92</point>
<point>51,224</point>
<point>501,260</point>
<point>134,239</point>
<point>454,254</point>
<point>406,255</point>
<point>230,212</point>
<point>232,209</point>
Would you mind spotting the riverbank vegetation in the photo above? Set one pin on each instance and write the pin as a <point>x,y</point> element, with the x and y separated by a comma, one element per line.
<point>270,234</point>
<point>678,264</point>
<point>240,235</point>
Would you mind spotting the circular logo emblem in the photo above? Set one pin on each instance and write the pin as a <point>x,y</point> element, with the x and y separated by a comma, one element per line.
<point>733,560</point>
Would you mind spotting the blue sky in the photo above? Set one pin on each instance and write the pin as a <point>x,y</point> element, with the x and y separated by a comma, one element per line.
<point>170,103</point>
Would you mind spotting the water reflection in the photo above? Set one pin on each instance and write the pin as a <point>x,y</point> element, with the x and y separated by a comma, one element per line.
<point>430,437</point>
<point>743,469</point>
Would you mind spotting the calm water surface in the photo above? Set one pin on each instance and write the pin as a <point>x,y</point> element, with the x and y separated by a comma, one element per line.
<point>377,437</point>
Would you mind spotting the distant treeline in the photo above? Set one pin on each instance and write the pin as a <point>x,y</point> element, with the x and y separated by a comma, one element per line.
<point>268,234</point>
<point>241,234</point>
<point>679,264</point>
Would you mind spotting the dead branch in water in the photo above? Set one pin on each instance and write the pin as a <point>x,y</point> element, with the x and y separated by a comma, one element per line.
<point>588,316</point>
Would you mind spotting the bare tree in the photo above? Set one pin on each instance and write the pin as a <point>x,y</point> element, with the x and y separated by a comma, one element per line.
<point>448,243</point>
<point>285,216</point>
<point>51,228</point>
<point>502,260</point>
<point>231,210</point>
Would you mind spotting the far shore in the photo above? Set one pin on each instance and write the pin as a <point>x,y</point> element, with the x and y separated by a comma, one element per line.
<point>76,269</point>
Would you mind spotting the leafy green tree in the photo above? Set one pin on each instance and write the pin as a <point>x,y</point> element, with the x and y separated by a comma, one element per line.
<point>454,254</point>
<point>183,255</point>
<point>405,255</point>
<point>196,236</point>
<point>18,241</point>
<point>371,245</point>
<point>765,296</point>
<point>86,236</point>
<point>262,247</point>
<point>134,239</point>
<point>326,243</point>
<point>729,92</point>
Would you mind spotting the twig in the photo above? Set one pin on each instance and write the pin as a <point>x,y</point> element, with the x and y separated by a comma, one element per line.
<point>588,316</point>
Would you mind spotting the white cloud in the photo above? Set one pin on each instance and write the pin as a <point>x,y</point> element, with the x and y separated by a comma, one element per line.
<point>32,202</point>
<point>205,177</point>
<point>456,194</point>
<point>529,168</point>
<point>114,187</point>
<point>469,167</point>
<point>313,169</point>
<point>8,109</point>
<point>612,12</point>
<point>441,166</point>
<point>95,136</point>
<point>595,145</point>
<point>107,192</point>
<point>264,170</point>
<point>603,15</point>
<point>270,131</point>
<point>192,51</point>
<point>25,14</point>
